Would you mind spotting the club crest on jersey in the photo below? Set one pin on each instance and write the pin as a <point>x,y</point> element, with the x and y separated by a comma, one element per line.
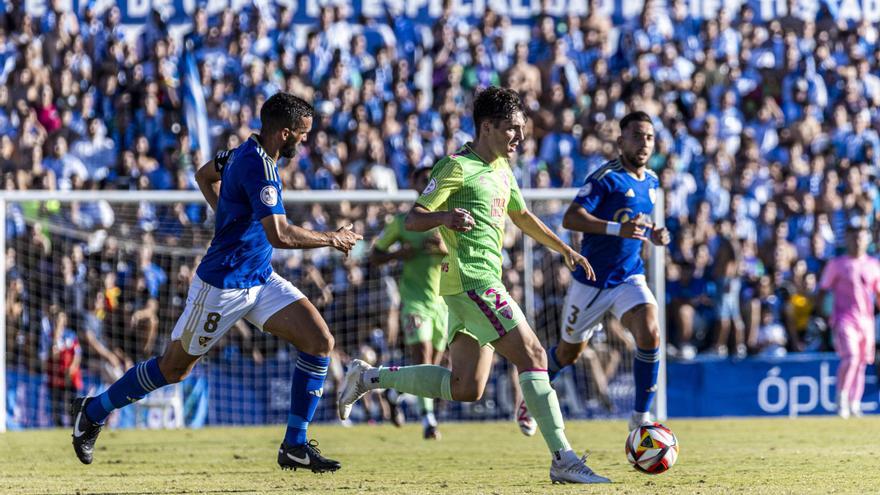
<point>586,190</point>
<point>506,312</point>
<point>269,196</point>
<point>652,193</point>
<point>430,187</point>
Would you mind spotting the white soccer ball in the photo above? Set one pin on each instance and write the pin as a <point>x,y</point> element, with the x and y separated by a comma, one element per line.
<point>652,449</point>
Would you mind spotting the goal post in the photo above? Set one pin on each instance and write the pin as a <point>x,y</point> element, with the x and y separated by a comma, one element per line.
<point>346,297</point>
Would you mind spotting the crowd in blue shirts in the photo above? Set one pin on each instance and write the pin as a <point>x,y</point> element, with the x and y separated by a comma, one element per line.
<point>767,140</point>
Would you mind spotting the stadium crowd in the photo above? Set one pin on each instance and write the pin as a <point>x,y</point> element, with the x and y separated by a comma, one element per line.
<point>767,140</point>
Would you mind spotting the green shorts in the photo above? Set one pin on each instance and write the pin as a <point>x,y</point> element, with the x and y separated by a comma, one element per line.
<point>425,323</point>
<point>486,313</point>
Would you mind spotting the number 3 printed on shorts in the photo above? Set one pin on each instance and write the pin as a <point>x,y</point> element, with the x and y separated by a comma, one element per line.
<point>211,322</point>
<point>573,316</point>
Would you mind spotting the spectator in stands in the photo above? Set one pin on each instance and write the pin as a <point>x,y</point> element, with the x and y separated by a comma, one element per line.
<point>63,367</point>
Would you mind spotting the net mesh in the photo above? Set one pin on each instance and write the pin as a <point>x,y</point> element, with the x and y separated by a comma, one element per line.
<point>93,288</point>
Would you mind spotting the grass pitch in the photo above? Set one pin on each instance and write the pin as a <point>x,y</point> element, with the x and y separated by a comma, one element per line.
<point>772,456</point>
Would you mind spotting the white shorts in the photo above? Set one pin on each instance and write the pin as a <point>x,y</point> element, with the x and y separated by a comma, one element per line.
<point>210,312</point>
<point>585,306</point>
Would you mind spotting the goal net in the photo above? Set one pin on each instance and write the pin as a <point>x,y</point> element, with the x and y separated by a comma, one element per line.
<point>95,281</point>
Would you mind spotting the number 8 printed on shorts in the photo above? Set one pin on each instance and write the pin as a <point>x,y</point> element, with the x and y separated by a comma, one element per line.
<point>211,322</point>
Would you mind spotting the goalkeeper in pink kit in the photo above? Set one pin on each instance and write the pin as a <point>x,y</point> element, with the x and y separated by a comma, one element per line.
<point>853,279</point>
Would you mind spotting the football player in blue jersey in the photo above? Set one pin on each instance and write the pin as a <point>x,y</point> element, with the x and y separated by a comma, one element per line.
<point>613,210</point>
<point>235,280</point>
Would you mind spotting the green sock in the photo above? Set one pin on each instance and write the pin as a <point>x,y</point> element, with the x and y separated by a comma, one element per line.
<point>426,405</point>
<point>423,380</point>
<point>544,406</point>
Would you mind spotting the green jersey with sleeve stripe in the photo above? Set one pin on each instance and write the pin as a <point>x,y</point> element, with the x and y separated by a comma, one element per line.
<point>420,277</point>
<point>486,190</point>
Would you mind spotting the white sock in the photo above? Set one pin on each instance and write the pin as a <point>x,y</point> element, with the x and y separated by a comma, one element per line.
<point>429,420</point>
<point>842,402</point>
<point>641,417</point>
<point>371,378</point>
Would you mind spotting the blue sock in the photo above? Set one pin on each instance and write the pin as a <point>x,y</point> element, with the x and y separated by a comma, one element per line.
<point>645,368</point>
<point>134,385</point>
<point>305,392</point>
<point>553,367</point>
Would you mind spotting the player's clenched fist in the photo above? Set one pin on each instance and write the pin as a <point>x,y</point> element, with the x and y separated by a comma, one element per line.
<point>345,238</point>
<point>459,220</point>
<point>573,259</point>
<point>661,236</point>
<point>636,227</point>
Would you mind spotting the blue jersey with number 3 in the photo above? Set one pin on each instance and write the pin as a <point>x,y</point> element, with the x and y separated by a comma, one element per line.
<point>240,253</point>
<point>615,195</point>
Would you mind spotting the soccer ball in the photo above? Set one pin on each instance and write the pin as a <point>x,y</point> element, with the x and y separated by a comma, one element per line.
<point>652,448</point>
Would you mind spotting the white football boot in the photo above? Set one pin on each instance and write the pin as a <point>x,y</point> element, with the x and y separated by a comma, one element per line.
<point>571,469</point>
<point>353,387</point>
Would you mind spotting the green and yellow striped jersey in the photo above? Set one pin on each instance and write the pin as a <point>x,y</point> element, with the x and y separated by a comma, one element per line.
<point>488,191</point>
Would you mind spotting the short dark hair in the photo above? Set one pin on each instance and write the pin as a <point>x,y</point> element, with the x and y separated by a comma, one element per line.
<point>496,104</point>
<point>284,110</point>
<point>637,116</point>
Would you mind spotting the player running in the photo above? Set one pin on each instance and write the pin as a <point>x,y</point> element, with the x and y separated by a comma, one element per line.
<point>613,209</point>
<point>235,280</point>
<point>424,314</point>
<point>853,279</point>
<point>469,196</point>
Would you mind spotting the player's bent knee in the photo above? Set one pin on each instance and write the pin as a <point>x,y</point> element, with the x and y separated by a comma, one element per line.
<point>320,346</point>
<point>463,394</point>
<point>648,336</point>
<point>466,391</point>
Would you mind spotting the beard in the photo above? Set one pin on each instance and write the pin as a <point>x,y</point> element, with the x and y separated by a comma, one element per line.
<point>633,158</point>
<point>288,150</point>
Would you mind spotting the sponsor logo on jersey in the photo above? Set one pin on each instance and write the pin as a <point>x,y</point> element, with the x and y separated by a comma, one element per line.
<point>269,196</point>
<point>203,341</point>
<point>499,205</point>
<point>622,215</point>
<point>317,393</point>
<point>630,193</point>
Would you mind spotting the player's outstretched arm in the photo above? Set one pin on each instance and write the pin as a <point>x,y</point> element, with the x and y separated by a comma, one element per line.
<point>208,179</point>
<point>533,227</point>
<point>421,219</point>
<point>283,235</point>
